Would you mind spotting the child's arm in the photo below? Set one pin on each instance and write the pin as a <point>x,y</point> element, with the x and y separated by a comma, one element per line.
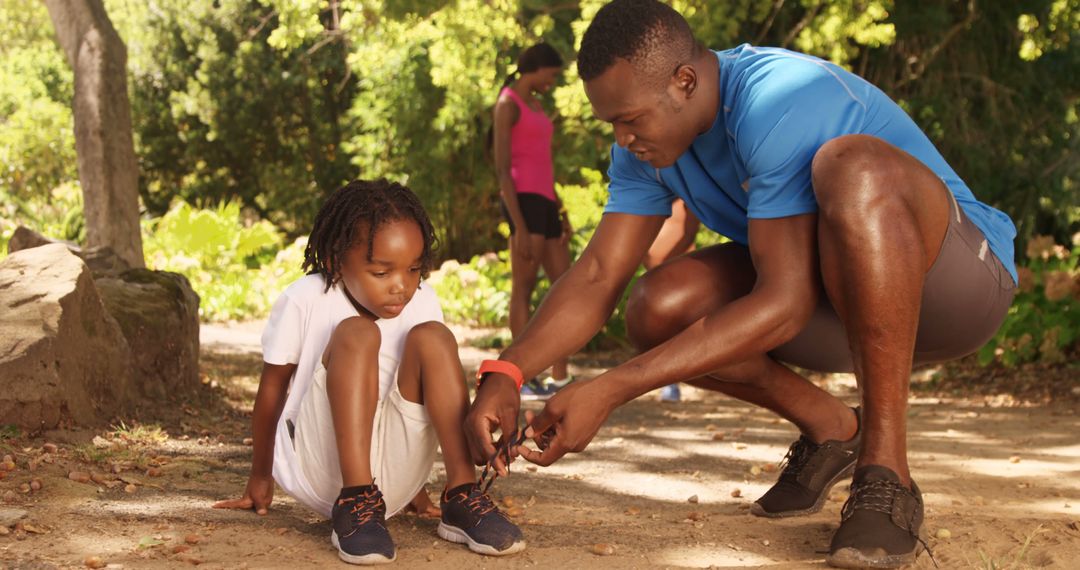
<point>273,389</point>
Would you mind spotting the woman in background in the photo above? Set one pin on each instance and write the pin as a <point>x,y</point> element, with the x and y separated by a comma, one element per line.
<point>539,228</point>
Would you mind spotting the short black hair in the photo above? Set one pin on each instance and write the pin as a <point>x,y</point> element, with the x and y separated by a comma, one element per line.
<point>337,225</point>
<point>649,34</point>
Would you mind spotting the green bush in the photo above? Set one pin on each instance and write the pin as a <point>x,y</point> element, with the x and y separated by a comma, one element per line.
<point>1043,324</point>
<point>237,268</point>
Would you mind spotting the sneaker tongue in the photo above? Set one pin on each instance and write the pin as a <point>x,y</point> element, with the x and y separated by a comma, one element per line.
<point>874,473</point>
<point>460,490</point>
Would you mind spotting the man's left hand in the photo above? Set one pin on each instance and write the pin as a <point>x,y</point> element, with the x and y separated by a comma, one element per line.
<point>567,423</point>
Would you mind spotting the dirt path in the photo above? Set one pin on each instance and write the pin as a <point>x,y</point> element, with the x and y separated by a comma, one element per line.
<point>665,485</point>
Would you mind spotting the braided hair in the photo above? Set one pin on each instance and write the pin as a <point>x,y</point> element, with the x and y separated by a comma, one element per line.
<point>338,224</point>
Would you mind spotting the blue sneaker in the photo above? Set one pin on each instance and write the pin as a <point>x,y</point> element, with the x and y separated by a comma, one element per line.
<point>534,390</point>
<point>360,533</point>
<point>670,393</point>
<point>470,517</point>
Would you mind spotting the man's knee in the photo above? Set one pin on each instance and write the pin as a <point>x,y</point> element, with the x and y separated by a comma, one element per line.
<point>655,311</point>
<point>853,174</point>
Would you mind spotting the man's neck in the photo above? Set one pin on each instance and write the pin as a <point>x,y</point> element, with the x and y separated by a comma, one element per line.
<point>708,67</point>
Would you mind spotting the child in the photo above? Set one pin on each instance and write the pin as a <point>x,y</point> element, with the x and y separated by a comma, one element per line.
<point>375,384</point>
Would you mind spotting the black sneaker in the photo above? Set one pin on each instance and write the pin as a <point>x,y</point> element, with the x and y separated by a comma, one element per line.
<point>360,533</point>
<point>880,524</point>
<point>470,517</point>
<point>810,470</point>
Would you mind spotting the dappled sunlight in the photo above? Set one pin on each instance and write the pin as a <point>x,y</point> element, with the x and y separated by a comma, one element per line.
<point>724,556</point>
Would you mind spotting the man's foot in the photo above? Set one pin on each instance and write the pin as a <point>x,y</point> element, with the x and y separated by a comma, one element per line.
<point>880,524</point>
<point>360,533</point>
<point>535,390</point>
<point>470,517</point>
<point>811,470</point>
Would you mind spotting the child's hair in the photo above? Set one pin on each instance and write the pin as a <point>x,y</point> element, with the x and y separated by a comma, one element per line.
<point>338,222</point>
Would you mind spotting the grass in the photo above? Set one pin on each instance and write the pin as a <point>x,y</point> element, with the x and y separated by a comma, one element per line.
<point>1014,561</point>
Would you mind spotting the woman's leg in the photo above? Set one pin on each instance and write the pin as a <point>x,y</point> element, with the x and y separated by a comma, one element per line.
<point>556,260</point>
<point>352,386</point>
<point>431,374</point>
<point>522,281</point>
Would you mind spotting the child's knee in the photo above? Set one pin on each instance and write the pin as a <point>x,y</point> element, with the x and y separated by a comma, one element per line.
<point>356,335</point>
<point>431,335</point>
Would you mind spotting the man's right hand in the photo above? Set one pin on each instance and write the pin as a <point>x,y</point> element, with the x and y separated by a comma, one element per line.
<point>496,407</point>
<point>258,495</point>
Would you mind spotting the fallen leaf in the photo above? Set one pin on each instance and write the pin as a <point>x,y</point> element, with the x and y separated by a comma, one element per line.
<point>633,511</point>
<point>943,533</point>
<point>602,549</point>
<point>280,531</point>
<point>248,441</point>
<point>79,476</point>
<point>508,502</point>
<point>94,562</point>
<point>49,448</point>
<point>153,472</point>
<point>718,436</point>
<point>1014,459</point>
<point>695,516</point>
<point>736,493</point>
<point>149,542</point>
<point>33,529</point>
<point>35,485</point>
<point>192,539</point>
<point>130,488</point>
<point>515,512</point>
<point>769,468</point>
<point>755,471</point>
<point>180,548</point>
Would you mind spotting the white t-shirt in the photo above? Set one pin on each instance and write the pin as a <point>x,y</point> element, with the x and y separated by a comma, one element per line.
<point>300,325</point>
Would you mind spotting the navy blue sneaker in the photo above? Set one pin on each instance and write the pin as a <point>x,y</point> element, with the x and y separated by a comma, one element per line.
<point>670,393</point>
<point>470,517</point>
<point>360,533</point>
<point>535,390</point>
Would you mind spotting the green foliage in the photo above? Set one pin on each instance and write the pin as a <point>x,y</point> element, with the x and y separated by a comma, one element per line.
<point>1043,323</point>
<point>57,214</point>
<point>236,268</point>
<point>37,141</point>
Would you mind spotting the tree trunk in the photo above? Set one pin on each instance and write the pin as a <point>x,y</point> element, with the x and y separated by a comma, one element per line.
<point>108,170</point>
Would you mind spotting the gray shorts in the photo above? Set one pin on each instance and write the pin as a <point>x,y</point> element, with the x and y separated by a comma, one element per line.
<point>966,295</point>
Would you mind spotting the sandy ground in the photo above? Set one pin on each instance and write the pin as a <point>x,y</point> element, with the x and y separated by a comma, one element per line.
<point>664,485</point>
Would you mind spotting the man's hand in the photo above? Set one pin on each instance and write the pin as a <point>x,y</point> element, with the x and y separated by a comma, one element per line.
<point>258,495</point>
<point>567,423</point>
<point>496,407</point>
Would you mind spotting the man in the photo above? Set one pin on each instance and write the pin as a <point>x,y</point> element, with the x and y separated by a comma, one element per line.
<point>855,248</point>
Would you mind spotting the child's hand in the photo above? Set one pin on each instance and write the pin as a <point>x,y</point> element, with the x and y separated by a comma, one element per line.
<point>258,495</point>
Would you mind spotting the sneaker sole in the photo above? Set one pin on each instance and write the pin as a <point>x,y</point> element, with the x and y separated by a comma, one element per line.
<point>458,536</point>
<point>535,397</point>
<point>758,511</point>
<point>853,558</point>
<point>364,560</point>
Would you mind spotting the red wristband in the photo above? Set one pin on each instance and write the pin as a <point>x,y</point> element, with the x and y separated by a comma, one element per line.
<point>501,367</point>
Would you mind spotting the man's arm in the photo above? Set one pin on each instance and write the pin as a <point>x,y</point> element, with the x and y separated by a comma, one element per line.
<point>784,253</point>
<point>575,308</point>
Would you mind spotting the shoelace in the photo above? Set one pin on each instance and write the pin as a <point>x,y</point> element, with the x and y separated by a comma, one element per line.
<point>478,502</point>
<point>878,496</point>
<point>364,508</point>
<point>797,457</point>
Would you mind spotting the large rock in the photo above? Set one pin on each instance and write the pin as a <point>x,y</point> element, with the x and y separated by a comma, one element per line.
<point>62,356</point>
<point>102,260</point>
<point>158,312</point>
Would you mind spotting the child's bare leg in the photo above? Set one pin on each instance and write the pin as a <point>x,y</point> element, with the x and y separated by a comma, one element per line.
<point>431,374</point>
<point>422,506</point>
<point>352,384</point>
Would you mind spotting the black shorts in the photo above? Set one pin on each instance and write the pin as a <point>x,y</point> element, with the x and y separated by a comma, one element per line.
<point>966,295</point>
<point>541,215</point>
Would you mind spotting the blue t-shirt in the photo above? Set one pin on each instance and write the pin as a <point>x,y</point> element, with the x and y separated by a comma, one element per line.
<point>777,108</point>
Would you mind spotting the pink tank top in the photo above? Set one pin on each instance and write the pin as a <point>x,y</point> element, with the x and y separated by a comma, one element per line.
<point>530,150</point>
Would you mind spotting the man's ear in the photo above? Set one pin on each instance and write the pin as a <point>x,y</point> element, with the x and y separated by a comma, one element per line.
<point>685,80</point>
